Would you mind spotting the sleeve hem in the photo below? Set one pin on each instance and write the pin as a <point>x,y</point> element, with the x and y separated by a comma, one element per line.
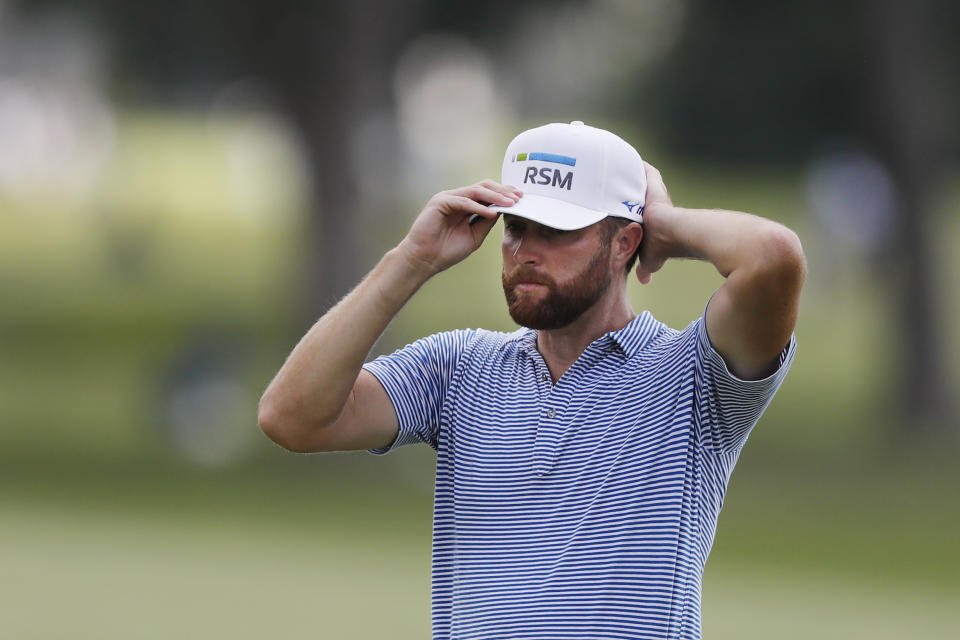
<point>732,406</point>
<point>379,374</point>
<point>786,354</point>
<point>784,359</point>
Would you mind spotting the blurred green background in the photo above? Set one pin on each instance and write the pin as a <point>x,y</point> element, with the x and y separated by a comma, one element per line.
<point>185,188</point>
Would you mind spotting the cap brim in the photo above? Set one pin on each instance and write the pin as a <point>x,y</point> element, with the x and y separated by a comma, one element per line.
<point>553,213</point>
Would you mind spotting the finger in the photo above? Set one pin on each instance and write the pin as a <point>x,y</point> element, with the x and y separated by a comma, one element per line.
<point>475,216</point>
<point>644,276</point>
<point>655,185</point>
<point>654,177</point>
<point>481,228</point>
<point>454,204</point>
<point>486,195</point>
<point>500,195</point>
<point>502,188</point>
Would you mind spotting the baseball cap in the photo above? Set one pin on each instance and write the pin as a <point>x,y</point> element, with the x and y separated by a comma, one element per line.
<point>574,175</point>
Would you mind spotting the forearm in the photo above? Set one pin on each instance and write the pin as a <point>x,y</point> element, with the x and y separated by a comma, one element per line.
<point>750,318</point>
<point>314,383</point>
<point>729,240</point>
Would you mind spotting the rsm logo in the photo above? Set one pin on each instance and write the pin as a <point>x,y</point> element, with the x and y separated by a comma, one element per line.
<point>546,175</point>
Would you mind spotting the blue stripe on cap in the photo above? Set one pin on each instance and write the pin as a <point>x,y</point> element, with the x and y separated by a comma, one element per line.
<point>552,157</point>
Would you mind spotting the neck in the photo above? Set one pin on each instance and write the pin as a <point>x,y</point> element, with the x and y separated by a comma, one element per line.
<point>560,348</point>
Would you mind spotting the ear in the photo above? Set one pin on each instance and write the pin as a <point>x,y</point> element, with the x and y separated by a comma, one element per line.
<point>625,243</point>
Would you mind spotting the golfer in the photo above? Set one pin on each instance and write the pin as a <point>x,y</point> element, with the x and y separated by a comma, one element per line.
<point>581,460</point>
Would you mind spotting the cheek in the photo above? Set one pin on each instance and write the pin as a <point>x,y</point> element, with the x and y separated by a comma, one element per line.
<point>510,245</point>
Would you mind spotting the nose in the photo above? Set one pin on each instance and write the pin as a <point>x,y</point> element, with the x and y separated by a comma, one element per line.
<point>522,248</point>
<point>516,249</point>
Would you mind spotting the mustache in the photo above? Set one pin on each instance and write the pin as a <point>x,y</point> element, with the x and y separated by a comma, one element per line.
<point>524,273</point>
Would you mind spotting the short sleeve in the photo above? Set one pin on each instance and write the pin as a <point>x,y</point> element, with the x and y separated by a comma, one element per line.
<point>729,407</point>
<point>416,379</point>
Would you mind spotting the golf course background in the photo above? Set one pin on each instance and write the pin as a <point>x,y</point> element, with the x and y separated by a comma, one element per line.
<point>185,187</point>
<point>115,526</point>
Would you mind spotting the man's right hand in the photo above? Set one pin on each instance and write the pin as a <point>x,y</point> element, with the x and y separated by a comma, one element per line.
<point>321,399</point>
<point>442,235</point>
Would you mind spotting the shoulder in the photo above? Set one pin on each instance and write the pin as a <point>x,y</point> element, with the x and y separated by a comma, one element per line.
<point>485,341</point>
<point>458,342</point>
<point>671,339</point>
<point>652,339</point>
<point>667,353</point>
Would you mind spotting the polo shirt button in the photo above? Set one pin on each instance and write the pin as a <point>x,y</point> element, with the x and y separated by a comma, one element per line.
<point>545,377</point>
<point>550,413</point>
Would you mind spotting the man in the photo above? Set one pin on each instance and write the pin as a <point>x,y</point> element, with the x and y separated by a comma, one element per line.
<point>582,460</point>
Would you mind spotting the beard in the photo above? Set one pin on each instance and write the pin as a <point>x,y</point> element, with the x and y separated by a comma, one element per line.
<point>563,303</point>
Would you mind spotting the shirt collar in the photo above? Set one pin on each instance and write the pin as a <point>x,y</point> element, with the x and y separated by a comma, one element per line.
<point>631,339</point>
<point>637,333</point>
<point>523,337</point>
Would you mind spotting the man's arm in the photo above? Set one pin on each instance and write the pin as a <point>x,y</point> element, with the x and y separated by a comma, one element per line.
<point>751,317</point>
<point>321,399</point>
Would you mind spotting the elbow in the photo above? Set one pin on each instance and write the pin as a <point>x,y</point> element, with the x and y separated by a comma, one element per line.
<point>783,257</point>
<point>282,426</point>
<point>272,421</point>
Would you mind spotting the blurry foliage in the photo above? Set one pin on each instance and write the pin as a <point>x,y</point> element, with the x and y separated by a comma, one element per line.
<point>164,279</point>
<point>109,298</point>
<point>165,259</point>
<point>761,82</point>
<point>766,82</point>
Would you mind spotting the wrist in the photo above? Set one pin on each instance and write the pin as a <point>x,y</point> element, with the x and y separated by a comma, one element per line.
<point>412,263</point>
<point>394,280</point>
<point>660,224</point>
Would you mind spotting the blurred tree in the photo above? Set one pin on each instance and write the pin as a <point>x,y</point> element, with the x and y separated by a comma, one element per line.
<point>328,64</point>
<point>764,81</point>
<point>750,79</point>
<point>331,65</point>
<point>906,116</point>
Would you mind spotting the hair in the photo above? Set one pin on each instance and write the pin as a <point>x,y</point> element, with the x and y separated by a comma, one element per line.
<point>609,227</point>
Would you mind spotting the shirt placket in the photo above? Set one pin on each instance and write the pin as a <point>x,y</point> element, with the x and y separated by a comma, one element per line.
<point>549,417</point>
<point>555,402</point>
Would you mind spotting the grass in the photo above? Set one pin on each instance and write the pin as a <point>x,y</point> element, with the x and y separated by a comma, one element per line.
<point>103,574</point>
<point>136,549</point>
<point>762,604</point>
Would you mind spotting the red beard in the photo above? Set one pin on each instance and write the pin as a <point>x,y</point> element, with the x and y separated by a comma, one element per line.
<point>563,303</point>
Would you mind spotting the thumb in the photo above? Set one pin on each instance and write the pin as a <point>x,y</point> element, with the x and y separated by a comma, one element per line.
<point>480,227</point>
<point>643,275</point>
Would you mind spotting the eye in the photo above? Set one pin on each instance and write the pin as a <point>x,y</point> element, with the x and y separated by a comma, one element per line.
<point>513,226</point>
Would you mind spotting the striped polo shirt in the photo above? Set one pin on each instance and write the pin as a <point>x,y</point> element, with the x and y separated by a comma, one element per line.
<point>582,509</point>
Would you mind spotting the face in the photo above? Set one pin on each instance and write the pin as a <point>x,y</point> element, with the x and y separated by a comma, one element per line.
<point>550,277</point>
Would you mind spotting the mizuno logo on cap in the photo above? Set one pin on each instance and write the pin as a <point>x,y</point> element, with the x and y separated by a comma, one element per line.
<point>629,205</point>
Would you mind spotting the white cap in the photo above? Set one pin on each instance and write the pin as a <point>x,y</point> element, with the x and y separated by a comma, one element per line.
<point>573,175</point>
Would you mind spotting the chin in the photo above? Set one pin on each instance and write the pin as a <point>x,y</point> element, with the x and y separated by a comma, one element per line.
<point>540,317</point>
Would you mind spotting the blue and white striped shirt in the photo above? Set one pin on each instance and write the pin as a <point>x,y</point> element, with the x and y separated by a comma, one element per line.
<point>581,509</point>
